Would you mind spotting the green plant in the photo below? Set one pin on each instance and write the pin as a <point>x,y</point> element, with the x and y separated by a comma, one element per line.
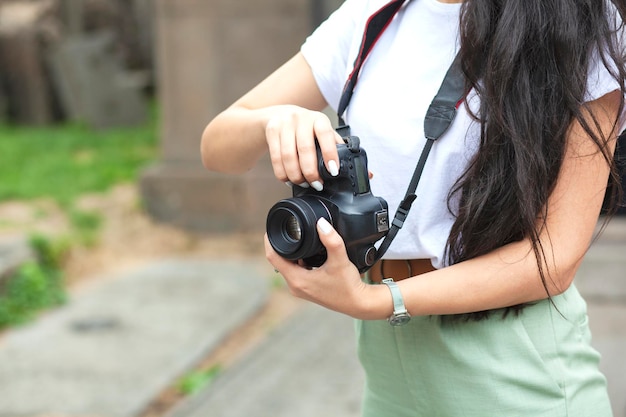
<point>63,162</point>
<point>31,289</point>
<point>86,226</point>
<point>35,286</point>
<point>49,253</point>
<point>196,380</point>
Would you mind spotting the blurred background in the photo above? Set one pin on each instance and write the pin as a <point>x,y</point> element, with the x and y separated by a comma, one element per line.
<point>121,258</point>
<point>132,281</point>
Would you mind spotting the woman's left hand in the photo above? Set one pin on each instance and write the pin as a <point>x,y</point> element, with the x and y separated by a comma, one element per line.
<point>336,285</point>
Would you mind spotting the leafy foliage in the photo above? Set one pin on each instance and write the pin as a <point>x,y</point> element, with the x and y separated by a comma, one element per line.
<point>62,162</point>
<point>35,286</point>
<point>194,381</point>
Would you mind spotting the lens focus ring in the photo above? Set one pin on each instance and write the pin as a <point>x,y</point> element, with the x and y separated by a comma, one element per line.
<point>291,227</point>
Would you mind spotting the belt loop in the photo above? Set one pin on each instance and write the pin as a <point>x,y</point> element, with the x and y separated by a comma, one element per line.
<point>409,268</point>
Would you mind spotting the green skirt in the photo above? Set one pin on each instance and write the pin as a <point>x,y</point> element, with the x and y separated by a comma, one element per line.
<point>539,363</point>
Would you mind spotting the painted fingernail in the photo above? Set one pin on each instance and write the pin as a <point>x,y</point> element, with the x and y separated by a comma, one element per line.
<point>317,185</point>
<point>324,226</point>
<point>304,185</point>
<point>289,184</point>
<point>332,168</point>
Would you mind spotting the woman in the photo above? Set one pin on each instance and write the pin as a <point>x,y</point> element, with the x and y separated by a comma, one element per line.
<point>506,206</point>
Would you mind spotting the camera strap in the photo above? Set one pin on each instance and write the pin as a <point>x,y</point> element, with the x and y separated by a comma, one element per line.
<point>438,119</point>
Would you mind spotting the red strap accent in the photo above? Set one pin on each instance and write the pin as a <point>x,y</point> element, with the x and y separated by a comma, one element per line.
<point>376,25</point>
<point>373,32</point>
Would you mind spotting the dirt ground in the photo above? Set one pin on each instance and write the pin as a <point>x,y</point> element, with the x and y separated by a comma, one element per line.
<point>128,238</point>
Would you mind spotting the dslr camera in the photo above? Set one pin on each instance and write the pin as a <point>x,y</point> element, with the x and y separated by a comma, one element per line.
<point>346,202</point>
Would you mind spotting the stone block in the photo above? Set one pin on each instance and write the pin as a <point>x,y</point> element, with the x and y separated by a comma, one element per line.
<point>14,252</point>
<point>194,199</point>
<point>210,52</point>
<point>93,85</point>
<point>24,76</point>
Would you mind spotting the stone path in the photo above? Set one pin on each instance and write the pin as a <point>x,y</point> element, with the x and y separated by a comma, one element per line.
<point>309,368</point>
<point>114,347</point>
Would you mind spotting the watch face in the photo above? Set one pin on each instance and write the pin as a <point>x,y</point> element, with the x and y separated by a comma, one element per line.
<point>399,320</point>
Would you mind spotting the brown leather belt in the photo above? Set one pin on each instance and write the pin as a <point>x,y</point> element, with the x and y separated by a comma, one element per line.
<point>399,269</point>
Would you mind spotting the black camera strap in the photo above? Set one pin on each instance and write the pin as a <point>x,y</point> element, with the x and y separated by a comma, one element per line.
<point>376,25</point>
<point>439,115</point>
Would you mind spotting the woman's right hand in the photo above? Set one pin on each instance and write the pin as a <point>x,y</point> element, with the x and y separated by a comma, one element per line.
<point>281,114</point>
<point>291,133</point>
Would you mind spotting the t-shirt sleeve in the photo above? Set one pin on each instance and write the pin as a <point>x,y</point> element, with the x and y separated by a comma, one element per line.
<point>600,81</point>
<point>600,78</point>
<point>328,49</point>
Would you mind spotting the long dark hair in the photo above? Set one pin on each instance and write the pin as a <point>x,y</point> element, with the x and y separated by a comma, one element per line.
<point>528,61</point>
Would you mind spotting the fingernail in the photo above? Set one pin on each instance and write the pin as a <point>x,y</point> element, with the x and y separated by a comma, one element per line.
<point>317,185</point>
<point>332,168</point>
<point>304,185</point>
<point>289,184</point>
<point>324,226</point>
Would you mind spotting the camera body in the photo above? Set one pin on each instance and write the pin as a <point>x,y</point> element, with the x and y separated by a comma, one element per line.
<point>346,202</point>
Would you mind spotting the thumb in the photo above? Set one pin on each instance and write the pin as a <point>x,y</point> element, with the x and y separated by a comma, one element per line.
<point>331,240</point>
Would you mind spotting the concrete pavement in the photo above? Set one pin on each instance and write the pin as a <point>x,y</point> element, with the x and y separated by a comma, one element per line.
<point>114,347</point>
<point>117,345</point>
<point>309,367</point>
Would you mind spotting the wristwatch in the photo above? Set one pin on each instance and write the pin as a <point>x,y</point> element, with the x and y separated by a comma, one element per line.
<point>400,314</point>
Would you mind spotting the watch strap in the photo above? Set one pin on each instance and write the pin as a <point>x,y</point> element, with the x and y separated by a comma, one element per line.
<point>400,314</point>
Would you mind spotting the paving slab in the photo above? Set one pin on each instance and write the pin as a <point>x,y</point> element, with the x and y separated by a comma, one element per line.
<point>307,368</point>
<point>14,251</point>
<point>615,231</point>
<point>113,348</point>
<point>602,275</point>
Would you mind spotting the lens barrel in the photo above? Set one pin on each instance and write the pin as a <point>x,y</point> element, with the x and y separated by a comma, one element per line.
<point>291,227</point>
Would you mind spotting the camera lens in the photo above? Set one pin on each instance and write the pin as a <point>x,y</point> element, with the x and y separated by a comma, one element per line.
<point>291,227</point>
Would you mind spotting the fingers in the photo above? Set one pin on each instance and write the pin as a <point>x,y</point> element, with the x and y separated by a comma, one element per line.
<point>336,284</point>
<point>329,237</point>
<point>279,263</point>
<point>333,243</point>
<point>273,133</point>
<point>306,156</point>
<point>328,139</point>
<point>291,137</point>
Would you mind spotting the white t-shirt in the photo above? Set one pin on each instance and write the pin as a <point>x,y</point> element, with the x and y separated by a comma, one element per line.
<point>397,83</point>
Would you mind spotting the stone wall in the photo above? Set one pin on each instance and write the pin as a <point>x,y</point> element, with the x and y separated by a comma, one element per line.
<point>52,54</point>
<point>210,52</point>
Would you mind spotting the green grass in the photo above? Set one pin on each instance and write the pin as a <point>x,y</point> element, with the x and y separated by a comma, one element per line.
<point>33,288</point>
<point>196,380</point>
<point>65,161</point>
<point>86,226</point>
